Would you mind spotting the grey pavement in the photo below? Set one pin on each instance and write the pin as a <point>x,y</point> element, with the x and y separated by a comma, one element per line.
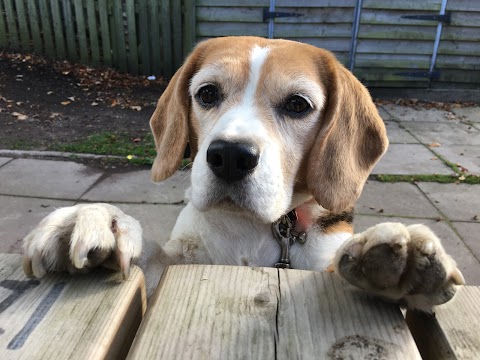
<point>30,188</point>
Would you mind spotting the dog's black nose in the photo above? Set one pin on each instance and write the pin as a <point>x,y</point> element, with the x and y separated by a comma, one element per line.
<point>232,161</point>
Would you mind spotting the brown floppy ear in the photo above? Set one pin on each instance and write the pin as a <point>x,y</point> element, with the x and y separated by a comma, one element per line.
<point>172,124</point>
<point>350,142</point>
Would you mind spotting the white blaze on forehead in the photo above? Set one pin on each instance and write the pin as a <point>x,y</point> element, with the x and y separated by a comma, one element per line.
<point>257,59</point>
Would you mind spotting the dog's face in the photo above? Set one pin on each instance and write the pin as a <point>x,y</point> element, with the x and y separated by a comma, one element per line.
<point>267,120</point>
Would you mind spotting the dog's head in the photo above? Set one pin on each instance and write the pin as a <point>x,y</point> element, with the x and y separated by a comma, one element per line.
<point>267,120</point>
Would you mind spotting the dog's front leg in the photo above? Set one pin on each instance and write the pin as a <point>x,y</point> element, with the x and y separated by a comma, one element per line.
<point>405,264</point>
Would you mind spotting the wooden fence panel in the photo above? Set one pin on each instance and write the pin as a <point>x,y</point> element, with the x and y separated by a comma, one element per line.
<point>81,30</point>
<point>103,6</point>
<point>70,30</point>
<point>93,31</point>
<point>35,26</point>
<point>11,24</point>
<point>3,28</point>
<point>132,37</point>
<point>22,24</point>
<point>58,29</point>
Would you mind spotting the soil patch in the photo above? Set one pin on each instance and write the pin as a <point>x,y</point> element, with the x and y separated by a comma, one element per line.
<point>45,104</point>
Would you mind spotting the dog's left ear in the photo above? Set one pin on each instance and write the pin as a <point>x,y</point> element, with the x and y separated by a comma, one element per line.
<point>351,140</point>
<point>172,124</point>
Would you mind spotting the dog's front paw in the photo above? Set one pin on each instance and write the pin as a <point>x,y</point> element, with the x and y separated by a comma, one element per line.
<point>405,264</point>
<point>81,237</point>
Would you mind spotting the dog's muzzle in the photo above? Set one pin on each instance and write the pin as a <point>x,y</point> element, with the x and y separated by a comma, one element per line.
<point>232,161</point>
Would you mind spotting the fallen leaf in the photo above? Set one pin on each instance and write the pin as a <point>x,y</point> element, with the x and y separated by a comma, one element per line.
<point>94,103</point>
<point>137,140</point>
<point>20,116</point>
<point>54,115</point>
<point>65,102</point>
<point>72,98</point>
<point>434,158</point>
<point>19,103</point>
<point>475,217</point>
<point>461,178</point>
<point>49,92</point>
<point>137,108</point>
<point>433,145</point>
<point>380,211</point>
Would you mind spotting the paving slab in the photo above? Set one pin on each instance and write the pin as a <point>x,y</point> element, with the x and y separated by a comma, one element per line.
<point>468,113</point>
<point>157,220</point>
<point>467,156</point>
<point>457,201</point>
<point>137,187</point>
<point>470,232</point>
<point>410,159</point>
<point>383,114</point>
<point>466,261</point>
<point>19,215</point>
<point>398,135</point>
<point>407,113</point>
<point>4,160</point>
<point>46,178</point>
<point>444,133</point>
<point>401,199</point>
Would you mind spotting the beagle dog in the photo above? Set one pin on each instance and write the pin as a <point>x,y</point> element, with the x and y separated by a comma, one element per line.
<point>283,138</point>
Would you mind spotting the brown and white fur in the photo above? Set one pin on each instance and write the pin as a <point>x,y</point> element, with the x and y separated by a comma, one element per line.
<point>308,136</point>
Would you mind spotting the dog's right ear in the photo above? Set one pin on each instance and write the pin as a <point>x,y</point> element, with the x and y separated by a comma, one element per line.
<point>172,124</point>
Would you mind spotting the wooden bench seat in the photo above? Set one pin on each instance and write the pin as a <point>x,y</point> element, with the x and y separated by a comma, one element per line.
<point>93,316</point>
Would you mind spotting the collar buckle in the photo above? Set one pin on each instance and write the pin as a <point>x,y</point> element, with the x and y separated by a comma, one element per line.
<point>283,231</point>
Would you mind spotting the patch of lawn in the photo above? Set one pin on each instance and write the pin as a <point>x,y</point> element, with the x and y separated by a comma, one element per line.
<point>138,150</point>
<point>443,179</point>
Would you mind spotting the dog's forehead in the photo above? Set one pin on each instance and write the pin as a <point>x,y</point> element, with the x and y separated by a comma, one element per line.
<point>236,59</point>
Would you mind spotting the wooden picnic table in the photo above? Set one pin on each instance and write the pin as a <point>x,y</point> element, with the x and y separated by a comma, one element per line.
<point>221,312</point>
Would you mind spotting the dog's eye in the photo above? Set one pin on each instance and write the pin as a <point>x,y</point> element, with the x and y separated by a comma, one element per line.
<point>208,95</point>
<point>296,105</point>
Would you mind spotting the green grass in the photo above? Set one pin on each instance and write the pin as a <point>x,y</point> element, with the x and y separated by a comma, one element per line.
<point>139,150</point>
<point>443,179</point>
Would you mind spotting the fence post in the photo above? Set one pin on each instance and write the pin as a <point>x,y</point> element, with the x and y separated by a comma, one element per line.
<point>189,35</point>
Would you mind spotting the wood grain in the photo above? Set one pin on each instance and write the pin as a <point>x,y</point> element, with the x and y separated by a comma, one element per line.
<point>222,312</point>
<point>454,331</point>
<point>92,316</point>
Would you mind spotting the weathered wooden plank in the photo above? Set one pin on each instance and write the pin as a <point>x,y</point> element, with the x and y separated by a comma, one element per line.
<point>394,61</point>
<point>34,26</point>
<point>105,32</point>
<point>177,35</point>
<point>385,46</point>
<point>471,48</point>
<point>166,65</point>
<point>459,76</point>
<point>58,29</point>
<point>453,333</point>
<point>411,32</point>
<point>93,31</point>
<point>70,36</point>
<point>419,84</point>
<point>336,45</point>
<point>403,4</point>
<point>3,27</point>
<point>81,30</point>
<point>394,17</point>
<point>11,25</point>
<point>144,37</point>
<point>213,29</point>
<point>313,30</point>
<point>463,5</point>
<point>189,25</point>
<point>22,25</point>
<point>46,28</point>
<point>132,36</point>
<point>465,19</point>
<point>320,317</point>
<point>385,74</point>
<point>220,312</point>
<point>280,3</point>
<point>458,62</point>
<point>68,317</point>
<point>118,33</point>
<point>155,45</point>
<point>253,14</point>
